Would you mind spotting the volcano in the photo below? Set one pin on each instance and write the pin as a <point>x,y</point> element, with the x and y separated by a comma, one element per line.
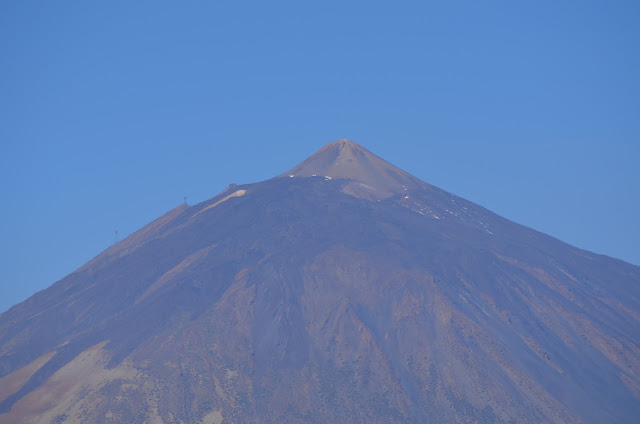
<point>343,291</point>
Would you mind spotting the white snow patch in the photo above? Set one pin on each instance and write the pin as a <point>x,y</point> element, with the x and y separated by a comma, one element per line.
<point>364,185</point>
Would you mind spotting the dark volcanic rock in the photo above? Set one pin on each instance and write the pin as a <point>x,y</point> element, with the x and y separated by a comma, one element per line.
<point>345,290</point>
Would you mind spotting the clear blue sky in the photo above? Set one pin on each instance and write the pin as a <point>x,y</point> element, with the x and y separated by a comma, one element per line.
<point>111,112</point>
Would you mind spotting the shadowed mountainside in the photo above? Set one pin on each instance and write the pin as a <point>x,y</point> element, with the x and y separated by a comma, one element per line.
<point>344,290</point>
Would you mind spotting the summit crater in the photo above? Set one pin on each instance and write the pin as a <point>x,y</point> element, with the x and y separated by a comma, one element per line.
<point>371,176</point>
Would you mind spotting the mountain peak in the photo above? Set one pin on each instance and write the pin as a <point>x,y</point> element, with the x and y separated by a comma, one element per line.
<point>372,177</point>
<point>344,142</point>
<point>286,299</point>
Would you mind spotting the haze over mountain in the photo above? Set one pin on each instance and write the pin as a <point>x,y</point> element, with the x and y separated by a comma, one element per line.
<point>343,290</point>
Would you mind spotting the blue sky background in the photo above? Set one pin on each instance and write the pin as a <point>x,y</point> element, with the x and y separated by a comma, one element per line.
<point>111,112</point>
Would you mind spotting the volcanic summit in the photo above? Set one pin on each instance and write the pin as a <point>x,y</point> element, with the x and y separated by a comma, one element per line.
<point>342,291</point>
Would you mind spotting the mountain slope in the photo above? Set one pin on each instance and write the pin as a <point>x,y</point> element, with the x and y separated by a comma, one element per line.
<point>360,294</point>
